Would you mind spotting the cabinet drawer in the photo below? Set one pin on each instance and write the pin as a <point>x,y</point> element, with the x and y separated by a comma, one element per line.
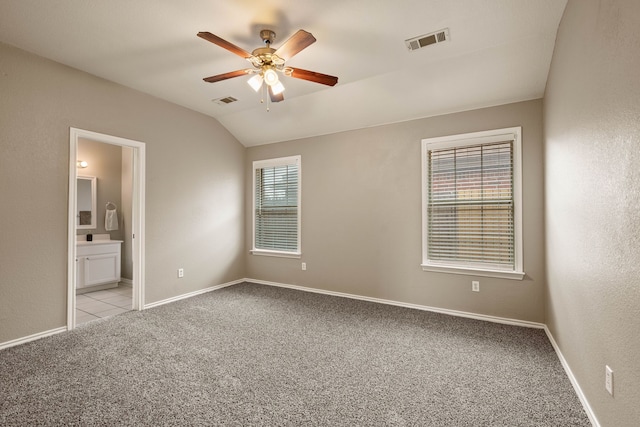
<point>84,250</point>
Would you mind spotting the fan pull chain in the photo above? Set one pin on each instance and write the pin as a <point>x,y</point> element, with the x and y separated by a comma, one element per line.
<point>267,96</point>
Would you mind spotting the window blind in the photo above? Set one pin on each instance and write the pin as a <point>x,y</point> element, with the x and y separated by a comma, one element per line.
<point>276,208</point>
<point>471,205</point>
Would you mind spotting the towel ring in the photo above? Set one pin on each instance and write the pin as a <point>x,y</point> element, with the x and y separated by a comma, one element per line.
<point>111,208</point>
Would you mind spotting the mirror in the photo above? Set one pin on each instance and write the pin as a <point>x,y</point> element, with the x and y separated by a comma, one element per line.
<point>86,202</point>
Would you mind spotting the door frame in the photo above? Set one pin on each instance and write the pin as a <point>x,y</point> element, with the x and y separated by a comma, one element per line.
<point>137,219</point>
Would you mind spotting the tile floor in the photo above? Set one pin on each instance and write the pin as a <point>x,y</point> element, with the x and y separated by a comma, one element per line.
<point>99,304</point>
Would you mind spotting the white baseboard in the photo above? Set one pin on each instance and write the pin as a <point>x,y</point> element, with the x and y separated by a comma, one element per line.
<point>33,337</point>
<point>192,294</point>
<point>128,282</point>
<point>574,381</point>
<point>484,317</point>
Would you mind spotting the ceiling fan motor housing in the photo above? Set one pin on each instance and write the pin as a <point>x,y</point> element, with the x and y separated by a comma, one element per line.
<point>266,57</point>
<point>267,36</point>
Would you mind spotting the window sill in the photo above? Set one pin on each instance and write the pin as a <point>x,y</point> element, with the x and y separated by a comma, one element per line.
<point>513,275</point>
<point>276,254</point>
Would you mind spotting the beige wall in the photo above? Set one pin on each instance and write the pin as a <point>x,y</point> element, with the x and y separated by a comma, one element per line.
<point>194,188</point>
<point>361,216</point>
<point>592,153</point>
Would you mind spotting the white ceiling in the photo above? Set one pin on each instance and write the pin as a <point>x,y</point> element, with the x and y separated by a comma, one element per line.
<point>499,52</point>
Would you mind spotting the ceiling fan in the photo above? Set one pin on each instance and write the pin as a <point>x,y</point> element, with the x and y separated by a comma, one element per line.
<point>267,62</point>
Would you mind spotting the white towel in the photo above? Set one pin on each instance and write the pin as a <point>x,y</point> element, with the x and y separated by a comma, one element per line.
<point>111,220</point>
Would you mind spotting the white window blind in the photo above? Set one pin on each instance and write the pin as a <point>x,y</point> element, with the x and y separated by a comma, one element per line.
<point>472,207</point>
<point>471,204</point>
<point>276,205</point>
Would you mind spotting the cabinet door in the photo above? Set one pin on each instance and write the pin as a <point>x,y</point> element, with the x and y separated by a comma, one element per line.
<point>100,269</point>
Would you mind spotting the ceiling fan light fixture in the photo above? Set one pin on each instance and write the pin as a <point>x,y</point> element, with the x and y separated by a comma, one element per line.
<point>255,82</point>
<point>277,88</point>
<point>267,62</point>
<point>271,77</point>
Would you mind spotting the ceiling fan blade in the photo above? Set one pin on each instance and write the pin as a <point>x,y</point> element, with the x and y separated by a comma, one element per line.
<point>224,44</point>
<point>312,76</point>
<point>226,76</point>
<point>295,44</point>
<point>275,98</point>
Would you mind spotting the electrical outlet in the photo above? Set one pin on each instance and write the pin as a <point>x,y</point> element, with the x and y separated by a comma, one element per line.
<point>304,266</point>
<point>475,286</point>
<point>608,379</point>
<point>181,272</point>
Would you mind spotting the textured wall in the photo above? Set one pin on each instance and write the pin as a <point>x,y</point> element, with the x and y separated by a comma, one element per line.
<point>361,216</point>
<point>592,134</point>
<point>194,188</point>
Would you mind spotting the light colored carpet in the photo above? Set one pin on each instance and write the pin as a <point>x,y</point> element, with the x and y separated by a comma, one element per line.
<point>258,355</point>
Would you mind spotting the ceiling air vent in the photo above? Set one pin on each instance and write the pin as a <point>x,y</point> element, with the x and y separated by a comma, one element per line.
<point>224,101</point>
<point>427,39</point>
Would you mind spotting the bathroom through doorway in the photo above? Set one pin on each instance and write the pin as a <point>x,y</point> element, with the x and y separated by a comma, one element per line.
<point>109,220</point>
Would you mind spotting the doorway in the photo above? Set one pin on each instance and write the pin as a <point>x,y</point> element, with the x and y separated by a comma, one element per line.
<point>135,226</point>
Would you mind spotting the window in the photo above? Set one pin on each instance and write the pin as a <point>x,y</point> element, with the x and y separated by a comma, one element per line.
<point>472,215</point>
<point>276,207</point>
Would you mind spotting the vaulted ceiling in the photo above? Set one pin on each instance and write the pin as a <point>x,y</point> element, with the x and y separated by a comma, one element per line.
<point>498,52</point>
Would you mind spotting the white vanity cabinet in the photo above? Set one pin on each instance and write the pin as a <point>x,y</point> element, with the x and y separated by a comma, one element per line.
<point>97,263</point>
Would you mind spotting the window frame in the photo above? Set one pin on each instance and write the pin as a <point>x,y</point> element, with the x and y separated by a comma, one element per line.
<point>275,162</point>
<point>470,139</point>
